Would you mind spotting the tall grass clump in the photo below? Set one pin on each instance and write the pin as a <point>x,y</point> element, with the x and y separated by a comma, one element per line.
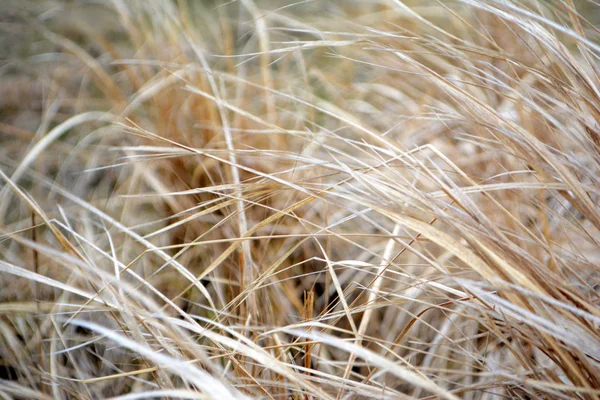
<point>300,200</point>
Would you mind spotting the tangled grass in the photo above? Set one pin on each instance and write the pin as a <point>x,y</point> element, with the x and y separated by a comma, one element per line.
<point>312,200</point>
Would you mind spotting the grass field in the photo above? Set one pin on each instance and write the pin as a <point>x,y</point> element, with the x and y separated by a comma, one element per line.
<point>300,200</point>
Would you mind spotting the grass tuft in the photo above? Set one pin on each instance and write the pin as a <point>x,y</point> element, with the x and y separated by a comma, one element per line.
<point>300,200</point>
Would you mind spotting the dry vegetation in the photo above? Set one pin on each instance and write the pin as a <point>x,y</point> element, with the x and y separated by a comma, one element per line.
<point>310,200</point>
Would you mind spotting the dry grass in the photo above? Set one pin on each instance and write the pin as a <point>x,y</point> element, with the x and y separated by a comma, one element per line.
<point>311,200</point>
